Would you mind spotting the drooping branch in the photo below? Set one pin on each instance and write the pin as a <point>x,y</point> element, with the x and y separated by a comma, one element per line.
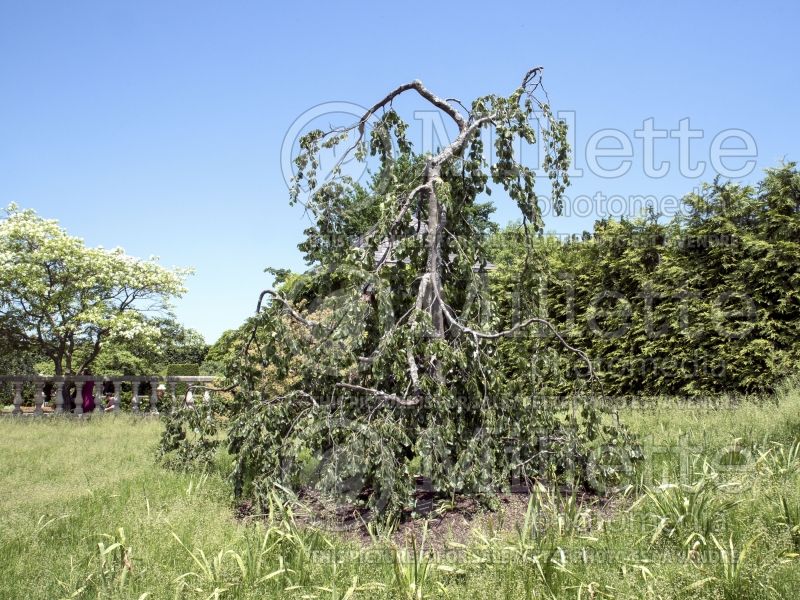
<point>454,148</point>
<point>494,335</point>
<point>422,91</point>
<point>387,100</point>
<point>379,394</point>
<point>428,185</point>
<point>289,308</point>
<point>291,395</point>
<point>530,76</point>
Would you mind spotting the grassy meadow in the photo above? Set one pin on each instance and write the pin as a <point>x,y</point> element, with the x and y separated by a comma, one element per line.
<point>714,512</point>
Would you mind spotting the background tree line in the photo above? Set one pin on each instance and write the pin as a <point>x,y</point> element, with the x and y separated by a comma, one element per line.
<point>703,303</point>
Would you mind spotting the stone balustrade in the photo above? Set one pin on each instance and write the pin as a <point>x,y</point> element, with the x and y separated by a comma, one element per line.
<point>103,402</point>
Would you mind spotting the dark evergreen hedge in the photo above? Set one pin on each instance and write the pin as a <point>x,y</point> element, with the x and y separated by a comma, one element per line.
<point>707,302</point>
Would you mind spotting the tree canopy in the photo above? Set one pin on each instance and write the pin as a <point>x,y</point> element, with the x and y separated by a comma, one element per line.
<point>63,300</point>
<point>384,361</point>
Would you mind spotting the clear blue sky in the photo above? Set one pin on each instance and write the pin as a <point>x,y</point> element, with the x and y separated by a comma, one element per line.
<point>158,126</point>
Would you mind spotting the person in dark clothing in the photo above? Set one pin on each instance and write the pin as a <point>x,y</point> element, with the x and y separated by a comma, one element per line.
<point>47,392</point>
<point>87,394</point>
<point>68,394</point>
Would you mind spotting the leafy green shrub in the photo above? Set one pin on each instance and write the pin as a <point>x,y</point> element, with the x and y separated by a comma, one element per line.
<point>191,434</point>
<point>183,370</point>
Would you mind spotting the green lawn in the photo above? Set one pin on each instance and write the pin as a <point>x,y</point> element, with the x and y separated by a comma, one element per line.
<point>71,490</point>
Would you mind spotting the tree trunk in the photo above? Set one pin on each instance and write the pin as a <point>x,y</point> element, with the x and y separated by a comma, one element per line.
<point>431,301</point>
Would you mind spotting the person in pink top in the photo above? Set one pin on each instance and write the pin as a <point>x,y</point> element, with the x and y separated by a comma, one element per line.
<point>88,393</point>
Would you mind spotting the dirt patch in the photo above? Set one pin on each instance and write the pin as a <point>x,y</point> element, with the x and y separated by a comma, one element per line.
<point>441,522</point>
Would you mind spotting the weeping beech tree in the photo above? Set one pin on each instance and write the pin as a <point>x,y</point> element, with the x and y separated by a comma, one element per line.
<point>381,367</point>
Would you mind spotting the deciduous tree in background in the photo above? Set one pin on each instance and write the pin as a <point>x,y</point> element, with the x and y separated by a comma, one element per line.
<point>64,301</point>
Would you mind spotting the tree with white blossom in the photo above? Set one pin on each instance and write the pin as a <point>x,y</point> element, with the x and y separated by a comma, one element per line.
<point>64,300</point>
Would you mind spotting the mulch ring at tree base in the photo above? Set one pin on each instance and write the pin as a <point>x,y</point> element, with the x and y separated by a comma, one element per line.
<point>448,521</point>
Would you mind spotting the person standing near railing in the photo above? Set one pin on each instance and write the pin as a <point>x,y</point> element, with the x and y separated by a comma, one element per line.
<point>47,392</point>
<point>88,393</point>
<point>68,394</point>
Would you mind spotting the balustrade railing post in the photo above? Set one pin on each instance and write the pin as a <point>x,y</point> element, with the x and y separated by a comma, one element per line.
<point>99,396</point>
<point>135,396</point>
<point>59,387</point>
<point>17,385</point>
<point>78,398</point>
<point>117,394</point>
<point>154,396</point>
<point>38,399</point>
